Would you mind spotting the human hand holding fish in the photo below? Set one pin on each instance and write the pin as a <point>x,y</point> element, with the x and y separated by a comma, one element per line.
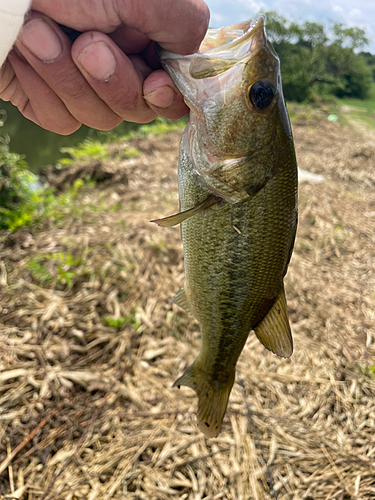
<point>110,72</point>
<point>237,179</point>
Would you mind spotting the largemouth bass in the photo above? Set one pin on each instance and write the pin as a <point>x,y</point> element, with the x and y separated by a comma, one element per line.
<point>237,180</point>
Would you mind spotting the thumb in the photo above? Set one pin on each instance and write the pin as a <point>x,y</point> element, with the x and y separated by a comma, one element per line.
<point>178,26</point>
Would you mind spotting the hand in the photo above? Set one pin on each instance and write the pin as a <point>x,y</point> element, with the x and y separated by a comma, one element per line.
<point>100,79</point>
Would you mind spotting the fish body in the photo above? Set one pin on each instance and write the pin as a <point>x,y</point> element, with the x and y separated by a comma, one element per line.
<point>237,180</point>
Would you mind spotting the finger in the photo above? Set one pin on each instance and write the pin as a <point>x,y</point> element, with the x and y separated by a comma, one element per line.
<point>163,96</point>
<point>179,25</point>
<point>129,40</point>
<point>11,90</point>
<point>40,104</point>
<point>48,50</point>
<point>113,76</point>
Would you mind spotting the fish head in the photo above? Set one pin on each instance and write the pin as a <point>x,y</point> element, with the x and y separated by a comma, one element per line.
<point>233,89</point>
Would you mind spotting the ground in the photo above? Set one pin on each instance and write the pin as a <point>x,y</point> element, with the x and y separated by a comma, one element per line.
<point>90,343</point>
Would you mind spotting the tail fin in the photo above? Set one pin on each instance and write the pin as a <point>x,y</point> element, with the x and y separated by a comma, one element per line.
<point>212,398</point>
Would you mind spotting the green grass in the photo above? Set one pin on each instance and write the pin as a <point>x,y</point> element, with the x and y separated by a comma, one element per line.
<point>61,269</point>
<point>361,109</point>
<point>117,323</point>
<point>368,370</point>
<point>158,127</point>
<point>87,149</point>
<point>24,200</point>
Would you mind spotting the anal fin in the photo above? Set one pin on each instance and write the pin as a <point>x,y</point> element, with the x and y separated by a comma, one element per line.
<point>175,219</point>
<point>274,329</point>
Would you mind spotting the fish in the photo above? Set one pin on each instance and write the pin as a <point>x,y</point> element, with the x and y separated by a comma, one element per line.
<point>237,180</point>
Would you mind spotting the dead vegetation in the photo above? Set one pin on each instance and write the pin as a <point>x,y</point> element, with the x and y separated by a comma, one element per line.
<point>91,344</point>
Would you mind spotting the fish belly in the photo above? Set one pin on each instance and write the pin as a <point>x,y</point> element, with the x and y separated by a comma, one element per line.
<point>236,256</point>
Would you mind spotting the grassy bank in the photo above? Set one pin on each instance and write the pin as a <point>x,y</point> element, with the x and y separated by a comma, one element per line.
<point>363,110</point>
<point>27,199</point>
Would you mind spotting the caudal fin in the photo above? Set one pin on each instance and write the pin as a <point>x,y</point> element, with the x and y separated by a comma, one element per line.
<point>212,398</point>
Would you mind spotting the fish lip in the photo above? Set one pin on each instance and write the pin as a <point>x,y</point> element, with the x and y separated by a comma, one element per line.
<point>248,27</point>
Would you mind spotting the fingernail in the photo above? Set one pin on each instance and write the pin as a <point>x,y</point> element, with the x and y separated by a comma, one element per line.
<point>40,39</point>
<point>162,97</point>
<point>98,61</point>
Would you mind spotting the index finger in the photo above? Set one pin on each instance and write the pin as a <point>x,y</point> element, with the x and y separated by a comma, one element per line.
<point>178,26</point>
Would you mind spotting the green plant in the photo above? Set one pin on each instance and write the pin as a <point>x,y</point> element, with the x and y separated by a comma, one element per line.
<point>121,321</point>
<point>39,269</point>
<point>131,152</point>
<point>60,268</point>
<point>23,199</point>
<point>87,149</point>
<point>20,191</point>
<point>158,127</point>
<point>368,370</point>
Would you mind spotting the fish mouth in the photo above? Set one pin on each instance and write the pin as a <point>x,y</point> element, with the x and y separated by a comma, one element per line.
<point>221,49</point>
<point>231,36</point>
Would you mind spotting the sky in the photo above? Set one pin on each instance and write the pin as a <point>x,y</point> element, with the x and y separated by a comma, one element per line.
<point>360,13</point>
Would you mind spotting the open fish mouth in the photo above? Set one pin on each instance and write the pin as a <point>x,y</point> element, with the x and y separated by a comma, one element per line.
<point>221,49</point>
<point>232,87</point>
<point>228,37</point>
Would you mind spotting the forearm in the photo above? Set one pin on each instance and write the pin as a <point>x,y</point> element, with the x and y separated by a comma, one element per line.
<point>12,13</point>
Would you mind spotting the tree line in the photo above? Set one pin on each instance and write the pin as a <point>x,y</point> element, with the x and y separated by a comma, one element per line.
<point>318,62</point>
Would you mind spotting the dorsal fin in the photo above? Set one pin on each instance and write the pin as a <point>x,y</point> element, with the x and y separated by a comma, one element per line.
<point>274,330</point>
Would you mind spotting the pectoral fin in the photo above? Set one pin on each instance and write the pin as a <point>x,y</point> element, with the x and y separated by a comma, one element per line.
<point>175,219</point>
<point>274,330</point>
<point>181,300</point>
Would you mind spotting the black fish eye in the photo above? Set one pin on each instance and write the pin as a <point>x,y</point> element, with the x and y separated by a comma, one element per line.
<point>261,94</point>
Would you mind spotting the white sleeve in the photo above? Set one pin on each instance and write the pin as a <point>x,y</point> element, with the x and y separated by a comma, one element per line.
<point>12,13</point>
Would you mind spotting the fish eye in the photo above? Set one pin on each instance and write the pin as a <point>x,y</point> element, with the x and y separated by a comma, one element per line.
<point>261,94</point>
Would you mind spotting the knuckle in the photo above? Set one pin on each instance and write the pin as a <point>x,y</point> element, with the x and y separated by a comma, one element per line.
<point>72,84</point>
<point>125,101</point>
<point>145,117</point>
<point>129,98</point>
<point>7,76</point>
<point>134,101</point>
<point>109,123</point>
<point>202,21</point>
<point>65,127</point>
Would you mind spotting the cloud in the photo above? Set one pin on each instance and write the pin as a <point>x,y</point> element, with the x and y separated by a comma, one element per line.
<point>362,15</point>
<point>337,8</point>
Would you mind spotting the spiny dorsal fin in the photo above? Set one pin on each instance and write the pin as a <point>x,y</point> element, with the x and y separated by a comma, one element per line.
<point>175,219</point>
<point>181,300</point>
<point>274,330</point>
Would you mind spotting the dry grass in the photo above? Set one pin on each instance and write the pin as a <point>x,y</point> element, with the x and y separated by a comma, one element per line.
<point>87,363</point>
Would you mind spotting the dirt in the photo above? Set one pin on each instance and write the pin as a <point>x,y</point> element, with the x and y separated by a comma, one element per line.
<point>88,358</point>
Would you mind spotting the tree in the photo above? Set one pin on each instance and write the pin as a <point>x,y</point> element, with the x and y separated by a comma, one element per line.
<point>317,61</point>
<point>353,38</point>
